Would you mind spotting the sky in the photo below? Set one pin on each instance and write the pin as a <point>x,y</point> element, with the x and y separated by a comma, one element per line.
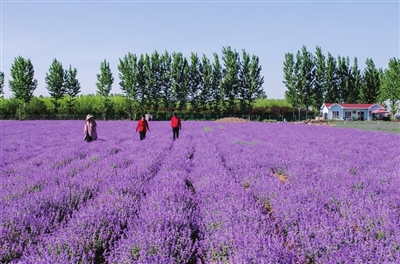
<point>85,33</point>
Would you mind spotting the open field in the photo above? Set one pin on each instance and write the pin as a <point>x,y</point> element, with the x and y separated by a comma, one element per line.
<point>393,127</point>
<point>222,193</point>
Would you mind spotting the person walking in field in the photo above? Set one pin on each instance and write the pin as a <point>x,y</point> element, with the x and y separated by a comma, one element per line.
<point>176,125</point>
<point>143,127</point>
<point>90,128</point>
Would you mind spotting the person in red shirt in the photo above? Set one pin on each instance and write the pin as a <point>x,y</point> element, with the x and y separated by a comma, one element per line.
<point>142,126</point>
<point>176,125</point>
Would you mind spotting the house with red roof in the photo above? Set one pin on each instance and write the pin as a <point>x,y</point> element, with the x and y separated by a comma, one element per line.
<point>350,111</point>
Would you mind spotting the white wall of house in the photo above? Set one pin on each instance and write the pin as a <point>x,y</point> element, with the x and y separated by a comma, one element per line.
<point>324,110</point>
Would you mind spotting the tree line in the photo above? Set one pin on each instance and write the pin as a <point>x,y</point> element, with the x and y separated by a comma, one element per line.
<point>162,83</point>
<point>312,80</point>
<point>152,82</point>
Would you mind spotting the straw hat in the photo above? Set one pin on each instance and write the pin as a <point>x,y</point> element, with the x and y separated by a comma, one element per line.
<point>88,117</point>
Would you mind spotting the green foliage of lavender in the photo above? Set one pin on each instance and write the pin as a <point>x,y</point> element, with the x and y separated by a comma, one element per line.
<point>209,197</point>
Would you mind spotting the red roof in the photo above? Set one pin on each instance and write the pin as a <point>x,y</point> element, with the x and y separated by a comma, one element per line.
<point>365,106</point>
<point>380,111</point>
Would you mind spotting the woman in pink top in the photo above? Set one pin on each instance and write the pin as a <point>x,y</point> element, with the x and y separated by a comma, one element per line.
<point>90,128</point>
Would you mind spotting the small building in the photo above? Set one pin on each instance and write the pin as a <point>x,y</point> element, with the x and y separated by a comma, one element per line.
<point>349,111</point>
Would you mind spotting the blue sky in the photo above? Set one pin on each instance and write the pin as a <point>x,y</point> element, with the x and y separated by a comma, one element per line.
<point>84,33</point>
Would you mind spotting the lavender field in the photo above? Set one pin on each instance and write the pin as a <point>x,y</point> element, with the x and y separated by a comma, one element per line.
<point>221,193</point>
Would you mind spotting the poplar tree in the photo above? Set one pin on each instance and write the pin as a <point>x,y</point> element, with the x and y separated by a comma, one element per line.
<point>306,79</point>
<point>319,78</point>
<point>355,83</point>
<point>1,84</point>
<point>105,80</point>
<point>72,87</point>
<point>370,90</point>
<point>55,79</point>
<point>343,79</point>
<point>104,83</point>
<point>230,79</point>
<point>166,83</point>
<point>154,79</point>
<point>141,77</point>
<point>194,82</point>
<point>206,72</point>
<point>216,91</point>
<point>22,83</point>
<point>332,94</point>
<point>245,81</point>
<point>180,82</point>
<point>290,79</point>
<point>390,85</point>
<point>128,80</point>
<point>256,81</point>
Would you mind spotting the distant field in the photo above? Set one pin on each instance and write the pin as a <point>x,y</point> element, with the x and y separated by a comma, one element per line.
<point>393,127</point>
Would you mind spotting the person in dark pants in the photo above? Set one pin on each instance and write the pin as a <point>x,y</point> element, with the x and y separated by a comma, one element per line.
<point>143,127</point>
<point>90,128</point>
<point>176,125</point>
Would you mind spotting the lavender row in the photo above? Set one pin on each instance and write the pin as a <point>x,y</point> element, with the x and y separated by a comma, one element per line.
<point>221,193</point>
<point>54,202</point>
<point>235,227</point>
<point>337,202</point>
<point>166,228</point>
<point>91,232</point>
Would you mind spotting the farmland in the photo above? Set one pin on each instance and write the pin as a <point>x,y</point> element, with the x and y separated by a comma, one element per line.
<point>222,193</point>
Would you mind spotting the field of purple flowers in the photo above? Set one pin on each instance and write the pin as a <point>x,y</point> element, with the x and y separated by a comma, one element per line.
<point>221,193</point>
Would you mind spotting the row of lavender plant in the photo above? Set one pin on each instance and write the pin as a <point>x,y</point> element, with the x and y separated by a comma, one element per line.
<point>235,228</point>
<point>58,198</point>
<point>336,200</point>
<point>166,228</point>
<point>235,193</point>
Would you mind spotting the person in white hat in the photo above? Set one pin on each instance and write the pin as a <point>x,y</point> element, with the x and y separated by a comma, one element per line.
<point>90,128</point>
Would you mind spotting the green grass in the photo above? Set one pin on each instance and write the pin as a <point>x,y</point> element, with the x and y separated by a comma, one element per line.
<point>393,127</point>
<point>207,129</point>
<point>242,142</point>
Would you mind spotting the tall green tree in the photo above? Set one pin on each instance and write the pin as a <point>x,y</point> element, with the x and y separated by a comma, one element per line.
<point>194,82</point>
<point>230,79</point>
<point>180,79</point>
<point>166,82</point>
<point>154,79</point>
<point>206,72</point>
<point>216,91</point>
<point>128,80</point>
<point>104,83</point>
<point>390,85</point>
<point>332,93</point>
<point>72,87</point>
<point>1,84</point>
<point>256,90</point>
<point>141,77</point>
<point>319,78</point>
<point>105,80</point>
<point>54,80</point>
<point>370,90</point>
<point>355,83</point>
<point>245,81</point>
<point>306,79</point>
<point>343,78</point>
<point>22,83</point>
<point>290,80</point>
